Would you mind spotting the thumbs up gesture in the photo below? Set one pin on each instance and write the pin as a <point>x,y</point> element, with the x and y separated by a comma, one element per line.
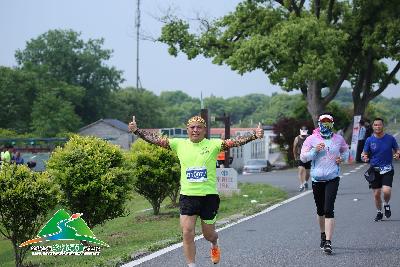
<point>132,126</point>
<point>259,131</point>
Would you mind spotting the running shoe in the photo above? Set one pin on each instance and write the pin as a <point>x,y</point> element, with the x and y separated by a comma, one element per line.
<point>215,255</point>
<point>388,213</point>
<point>301,188</point>
<point>323,240</point>
<point>379,216</point>
<point>328,247</point>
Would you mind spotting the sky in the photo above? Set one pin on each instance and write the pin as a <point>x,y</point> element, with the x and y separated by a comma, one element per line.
<point>114,20</point>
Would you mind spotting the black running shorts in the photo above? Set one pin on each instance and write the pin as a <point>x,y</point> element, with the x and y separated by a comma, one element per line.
<point>306,165</point>
<point>382,179</point>
<point>204,206</point>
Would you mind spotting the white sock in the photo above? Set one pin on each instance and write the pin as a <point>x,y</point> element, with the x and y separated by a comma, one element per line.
<point>385,203</point>
<point>192,265</point>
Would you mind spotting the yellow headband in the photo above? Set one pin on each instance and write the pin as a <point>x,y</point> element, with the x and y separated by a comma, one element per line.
<point>196,119</point>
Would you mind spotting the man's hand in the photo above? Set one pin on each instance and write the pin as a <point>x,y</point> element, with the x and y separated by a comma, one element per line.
<point>364,157</point>
<point>320,147</point>
<point>396,155</point>
<point>339,160</point>
<point>132,125</point>
<point>259,131</point>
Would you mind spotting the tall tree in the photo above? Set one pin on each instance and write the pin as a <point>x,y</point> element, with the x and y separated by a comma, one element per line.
<point>380,40</point>
<point>51,114</point>
<point>301,45</point>
<point>144,104</point>
<point>179,106</point>
<point>17,92</point>
<point>63,56</point>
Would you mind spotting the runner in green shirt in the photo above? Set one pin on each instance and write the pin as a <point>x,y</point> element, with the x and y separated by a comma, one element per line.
<point>199,195</point>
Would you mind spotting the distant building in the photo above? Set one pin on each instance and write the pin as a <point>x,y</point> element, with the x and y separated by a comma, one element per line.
<point>257,149</point>
<point>174,132</point>
<point>113,130</point>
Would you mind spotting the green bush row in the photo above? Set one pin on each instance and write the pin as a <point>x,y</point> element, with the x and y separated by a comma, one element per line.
<point>89,176</point>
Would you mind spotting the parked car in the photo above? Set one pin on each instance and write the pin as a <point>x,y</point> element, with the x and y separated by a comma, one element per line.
<point>257,166</point>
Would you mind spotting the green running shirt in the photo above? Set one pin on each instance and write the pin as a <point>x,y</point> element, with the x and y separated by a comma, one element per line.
<point>198,165</point>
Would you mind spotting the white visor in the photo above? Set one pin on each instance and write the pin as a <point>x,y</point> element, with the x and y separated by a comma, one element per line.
<point>325,116</point>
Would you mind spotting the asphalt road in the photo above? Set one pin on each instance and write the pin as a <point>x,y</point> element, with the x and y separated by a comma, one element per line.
<point>288,235</point>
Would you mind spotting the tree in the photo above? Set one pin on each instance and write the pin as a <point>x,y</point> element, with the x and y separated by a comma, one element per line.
<point>26,198</point>
<point>380,41</point>
<point>156,172</point>
<point>144,104</point>
<point>52,114</point>
<point>63,56</point>
<point>341,115</point>
<point>301,45</point>
<point>179,106</point>
<point>92,177</point>
<point>17,92</point>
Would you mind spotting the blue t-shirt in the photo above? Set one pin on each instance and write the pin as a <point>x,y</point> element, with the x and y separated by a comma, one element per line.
<point>380,150</point>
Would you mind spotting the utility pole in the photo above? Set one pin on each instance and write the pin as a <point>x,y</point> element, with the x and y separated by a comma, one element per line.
<point>227,122</point>
<point>137,24</point>
<point>205,115</point>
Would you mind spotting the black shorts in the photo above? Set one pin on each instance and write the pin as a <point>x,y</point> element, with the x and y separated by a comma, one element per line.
<point>204,206</point>
<point>306,165</point>
<point>382,179</point>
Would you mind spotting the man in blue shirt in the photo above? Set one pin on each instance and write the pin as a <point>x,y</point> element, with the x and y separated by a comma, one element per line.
<point>378,150</point>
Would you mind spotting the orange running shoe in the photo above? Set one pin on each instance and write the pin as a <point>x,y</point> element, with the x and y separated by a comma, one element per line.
<point>215,255</point>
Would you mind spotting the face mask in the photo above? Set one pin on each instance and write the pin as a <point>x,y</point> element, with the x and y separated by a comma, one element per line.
<point>326,129</point>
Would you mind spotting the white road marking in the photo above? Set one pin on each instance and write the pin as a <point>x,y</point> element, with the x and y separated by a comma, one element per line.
<point>178,245</point>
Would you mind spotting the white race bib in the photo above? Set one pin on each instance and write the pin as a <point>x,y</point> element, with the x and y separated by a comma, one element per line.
<point>385,169</point>
<point>196,174</point>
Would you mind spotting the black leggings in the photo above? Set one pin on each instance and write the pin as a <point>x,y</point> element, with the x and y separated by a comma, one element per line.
<point>325,196</point>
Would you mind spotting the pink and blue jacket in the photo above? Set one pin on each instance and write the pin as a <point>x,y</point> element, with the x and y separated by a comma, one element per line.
<point>323,165</point>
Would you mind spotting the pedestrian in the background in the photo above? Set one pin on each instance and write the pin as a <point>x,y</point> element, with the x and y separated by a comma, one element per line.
<point>7,155</point>
<point>326,150</point>
<point>361,140</point>
<point>378,150</point>
<point>17,158</point>
<point>303,168</point>
<point>3,150</point>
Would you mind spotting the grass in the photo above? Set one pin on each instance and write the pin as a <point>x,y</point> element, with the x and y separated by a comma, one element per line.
<point>141,232</point>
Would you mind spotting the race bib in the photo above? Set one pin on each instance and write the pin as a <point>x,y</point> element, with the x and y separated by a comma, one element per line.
<point>385,169</point>
<point>196,174</point>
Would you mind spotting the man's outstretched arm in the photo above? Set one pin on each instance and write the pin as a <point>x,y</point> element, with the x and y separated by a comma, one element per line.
<point>242,140</point>
<point>152,138</point>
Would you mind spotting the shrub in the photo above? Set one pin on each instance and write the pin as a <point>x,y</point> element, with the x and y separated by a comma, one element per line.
<point>26,197</point>
<point>156,172</point>
<point>92,178</point>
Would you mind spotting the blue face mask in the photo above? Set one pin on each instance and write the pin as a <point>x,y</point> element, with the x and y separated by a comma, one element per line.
<point>326,129</point>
